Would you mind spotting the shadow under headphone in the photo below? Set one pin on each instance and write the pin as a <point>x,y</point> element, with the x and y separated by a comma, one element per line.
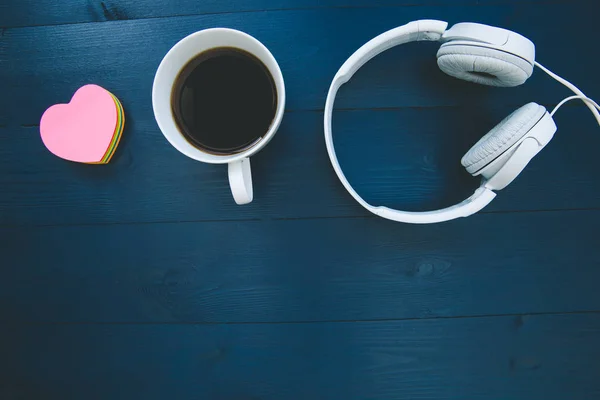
<point>481,54</point>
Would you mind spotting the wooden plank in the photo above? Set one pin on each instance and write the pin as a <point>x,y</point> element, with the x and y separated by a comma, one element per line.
<point>45,65</point>
<point>48,12</point>
<point>408,158</point>
<point>551,357</point>
<point>301,270</point>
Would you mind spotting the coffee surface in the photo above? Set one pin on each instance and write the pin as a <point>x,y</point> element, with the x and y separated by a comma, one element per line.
<point>224,100</point>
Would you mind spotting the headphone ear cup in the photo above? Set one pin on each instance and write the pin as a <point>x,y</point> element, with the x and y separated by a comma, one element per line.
<point>483,65</point>
<point>502,137</point>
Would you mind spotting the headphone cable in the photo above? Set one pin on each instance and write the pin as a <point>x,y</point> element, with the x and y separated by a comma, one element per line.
<point>585,99</point>
<point>591,104</point>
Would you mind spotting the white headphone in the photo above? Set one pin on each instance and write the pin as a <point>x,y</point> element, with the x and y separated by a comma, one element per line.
<point>481,54</point>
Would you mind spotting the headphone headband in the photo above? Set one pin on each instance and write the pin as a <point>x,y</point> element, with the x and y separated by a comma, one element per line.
<point>431,30</point>
<point>426,29</point>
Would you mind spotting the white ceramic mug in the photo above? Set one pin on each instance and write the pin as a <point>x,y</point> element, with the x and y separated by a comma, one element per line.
<point>240,176</point>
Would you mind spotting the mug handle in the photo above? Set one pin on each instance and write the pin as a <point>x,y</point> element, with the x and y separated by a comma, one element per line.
<point>240,181</point>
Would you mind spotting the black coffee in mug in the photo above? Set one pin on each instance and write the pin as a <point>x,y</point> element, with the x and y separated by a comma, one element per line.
<point>224,100</point>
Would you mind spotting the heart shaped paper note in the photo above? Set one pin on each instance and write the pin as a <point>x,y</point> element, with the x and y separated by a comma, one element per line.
<point>88,129</point>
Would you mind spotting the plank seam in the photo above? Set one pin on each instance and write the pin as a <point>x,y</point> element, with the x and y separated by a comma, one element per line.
<point>300,322</point>
<point>130,223</point>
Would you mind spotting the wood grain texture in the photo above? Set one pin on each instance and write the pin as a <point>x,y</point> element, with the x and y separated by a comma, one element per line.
<point>45,65</point>
<point>142,279</point>
<point>48,12</point>
<point>149,181</point>
<point>408,158</point>
<point>553,357</point>
<point>307,270</point>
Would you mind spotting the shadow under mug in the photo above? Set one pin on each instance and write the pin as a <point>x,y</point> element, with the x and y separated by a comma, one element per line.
<point>240,175</point>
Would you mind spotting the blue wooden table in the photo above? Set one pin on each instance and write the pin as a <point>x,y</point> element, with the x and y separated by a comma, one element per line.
<point>143,280</point>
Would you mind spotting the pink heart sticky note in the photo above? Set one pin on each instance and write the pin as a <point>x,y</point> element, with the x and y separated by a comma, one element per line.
<point>82,130</point>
